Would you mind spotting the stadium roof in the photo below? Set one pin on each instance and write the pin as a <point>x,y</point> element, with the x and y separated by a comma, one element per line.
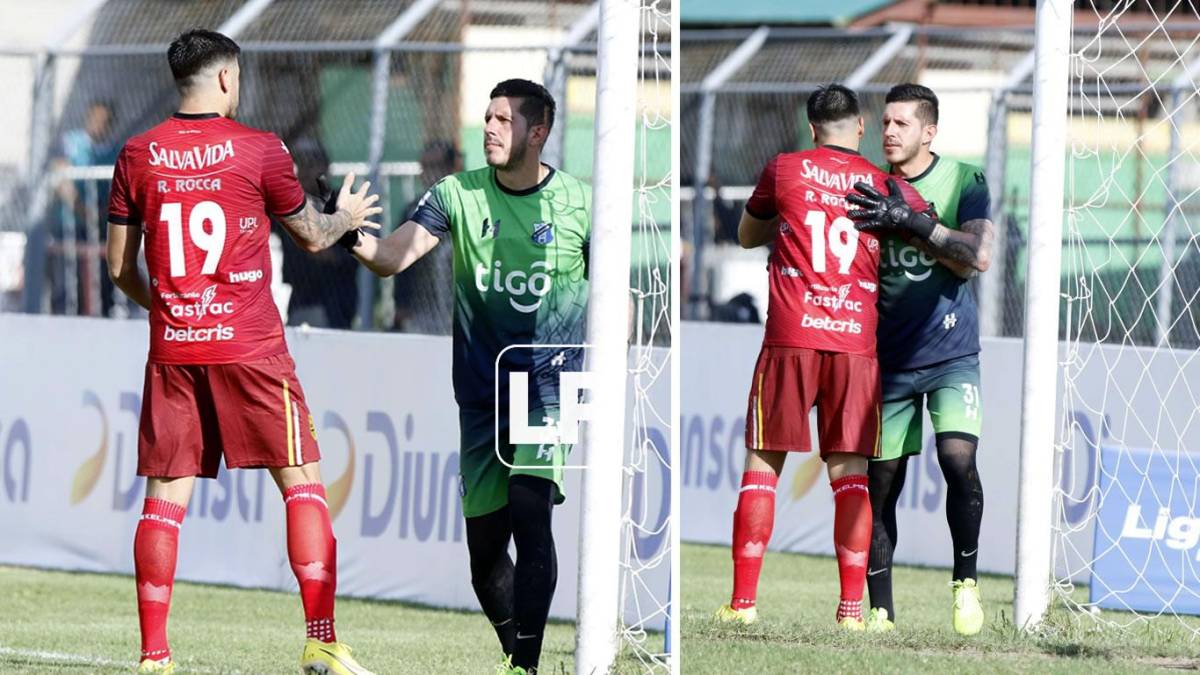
<point>825,12</point>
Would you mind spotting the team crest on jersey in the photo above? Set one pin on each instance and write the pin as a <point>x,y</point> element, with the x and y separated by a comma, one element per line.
<point>543,233</point>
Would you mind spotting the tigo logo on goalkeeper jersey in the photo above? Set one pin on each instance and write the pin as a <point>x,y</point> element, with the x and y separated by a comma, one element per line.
<point>519,285</point>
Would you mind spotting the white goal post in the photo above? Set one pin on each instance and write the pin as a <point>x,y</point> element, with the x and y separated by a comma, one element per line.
<point>1035,499</point>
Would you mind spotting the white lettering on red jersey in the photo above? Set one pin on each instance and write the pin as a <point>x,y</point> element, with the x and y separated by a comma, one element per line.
<point>202,188</point>
<point>824,274</point>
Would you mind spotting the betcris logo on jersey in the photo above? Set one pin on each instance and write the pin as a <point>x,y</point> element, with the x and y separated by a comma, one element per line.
<point>525,288</point>
<point>916,264</point>
<point>1146,546</point>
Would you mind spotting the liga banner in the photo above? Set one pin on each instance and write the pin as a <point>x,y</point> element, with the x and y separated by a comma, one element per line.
<point>383,411</point>
<point>1147,543</point>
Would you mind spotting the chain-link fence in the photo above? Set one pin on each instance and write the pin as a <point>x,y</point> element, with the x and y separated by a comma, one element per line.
<point>393,90</point>
<point>743,95</point>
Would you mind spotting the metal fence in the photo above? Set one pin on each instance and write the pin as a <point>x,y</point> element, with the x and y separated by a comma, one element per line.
<point>394,90</point>
<point>742,101</point>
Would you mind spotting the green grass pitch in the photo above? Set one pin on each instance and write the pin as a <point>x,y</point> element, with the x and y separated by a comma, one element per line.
<point>59,622</point>
<point>797,599</point>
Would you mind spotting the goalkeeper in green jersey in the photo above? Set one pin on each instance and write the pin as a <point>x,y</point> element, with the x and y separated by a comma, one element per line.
<point>928,341</point>
<point>520,231</point>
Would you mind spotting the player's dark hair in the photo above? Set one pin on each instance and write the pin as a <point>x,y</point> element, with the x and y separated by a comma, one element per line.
<point>927,102</point>
<point>831,103</point>
<point>537,105</point>
<point>196,50</point>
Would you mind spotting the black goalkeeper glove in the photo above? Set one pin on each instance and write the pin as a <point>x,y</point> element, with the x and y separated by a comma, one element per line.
<point>349,240</point>
<point>888,214</point>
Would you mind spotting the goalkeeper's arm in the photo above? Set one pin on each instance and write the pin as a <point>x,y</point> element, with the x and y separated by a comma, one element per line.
<point>394,253</point>
<point>969,246</point>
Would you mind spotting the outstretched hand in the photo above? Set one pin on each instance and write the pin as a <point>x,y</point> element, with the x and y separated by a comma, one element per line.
<point>887,214</point>
<point>358,203</point>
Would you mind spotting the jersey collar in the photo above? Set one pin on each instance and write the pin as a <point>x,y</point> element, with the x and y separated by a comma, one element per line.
<point>928,170</point>
<point>527,191</point>
<point>195,116</point>
<point>839,148</point>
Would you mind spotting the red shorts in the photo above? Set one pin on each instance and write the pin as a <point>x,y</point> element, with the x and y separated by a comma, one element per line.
<point>789,381</point>
<point>252,413</point>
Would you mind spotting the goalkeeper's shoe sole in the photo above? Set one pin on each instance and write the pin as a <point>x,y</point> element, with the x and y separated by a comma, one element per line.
<point>329,658</point>
<point>968,610</point>
<point>152,666</point>
<point>727,614</point>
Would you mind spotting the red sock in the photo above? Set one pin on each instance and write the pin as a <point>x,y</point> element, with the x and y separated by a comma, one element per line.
<point>851,540</point>
<point>752,523</point>
<point>154,551</point>
<point>312,551</point>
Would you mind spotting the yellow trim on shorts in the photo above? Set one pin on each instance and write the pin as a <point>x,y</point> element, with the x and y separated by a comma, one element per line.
<point>759,415</point>
<point>287,414</point>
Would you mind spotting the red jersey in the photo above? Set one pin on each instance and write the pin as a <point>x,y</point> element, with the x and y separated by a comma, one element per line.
<point>824,274</point>
<point>201,187</point>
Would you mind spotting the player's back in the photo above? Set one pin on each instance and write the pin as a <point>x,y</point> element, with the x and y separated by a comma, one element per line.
<point>202,187</point>
<point>824,274</point>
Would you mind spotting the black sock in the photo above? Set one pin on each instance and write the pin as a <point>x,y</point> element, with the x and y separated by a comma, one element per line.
<point>886,483</point>
<point>492,572</point>
<point>530,504</point>
<point>964,499</point>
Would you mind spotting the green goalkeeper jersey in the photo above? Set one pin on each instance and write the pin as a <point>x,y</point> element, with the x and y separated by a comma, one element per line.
<point>927,314</point>
<point>520,278</point>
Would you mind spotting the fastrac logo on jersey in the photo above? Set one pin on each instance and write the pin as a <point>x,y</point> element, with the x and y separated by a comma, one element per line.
<point>194,159</point>
<point>205,307</point>
<point>832,325</point>
<point>517,284</point>
<point>834,302</point>
<point>917,264</point>
<point>247,277</point>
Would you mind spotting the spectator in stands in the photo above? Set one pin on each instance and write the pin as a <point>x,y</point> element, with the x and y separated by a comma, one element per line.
<point>324,287</point>
<point>92,144</point>
<point>422,292</point>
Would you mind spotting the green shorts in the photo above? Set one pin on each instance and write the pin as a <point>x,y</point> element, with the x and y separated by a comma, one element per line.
<point>483,477</point>
<point>955,404</point>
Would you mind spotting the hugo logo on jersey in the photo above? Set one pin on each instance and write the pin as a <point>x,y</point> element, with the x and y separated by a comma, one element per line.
<point>525,288</point>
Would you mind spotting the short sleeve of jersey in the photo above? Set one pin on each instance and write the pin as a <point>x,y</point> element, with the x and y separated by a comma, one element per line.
<point>432,211</point>
<point>121,209</point>
<point>975,202</point>
<point>761,204</point>
<point>281,189</point>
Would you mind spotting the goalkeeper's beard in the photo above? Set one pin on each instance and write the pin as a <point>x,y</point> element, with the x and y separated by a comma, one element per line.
<point>516,157</point>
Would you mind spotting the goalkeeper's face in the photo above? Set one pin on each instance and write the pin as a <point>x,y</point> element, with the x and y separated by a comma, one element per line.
<point>904,132</point>
<point>505,133</point>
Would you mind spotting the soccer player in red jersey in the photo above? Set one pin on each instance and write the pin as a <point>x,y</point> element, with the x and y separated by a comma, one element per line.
<point>199,188</point>
<point>819,347</point>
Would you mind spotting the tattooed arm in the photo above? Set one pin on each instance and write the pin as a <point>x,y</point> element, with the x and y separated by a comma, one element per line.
<point>315,231</point>
<point>968,249</point>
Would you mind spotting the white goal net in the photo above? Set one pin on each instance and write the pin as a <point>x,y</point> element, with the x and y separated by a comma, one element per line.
<point>1126,544</point>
